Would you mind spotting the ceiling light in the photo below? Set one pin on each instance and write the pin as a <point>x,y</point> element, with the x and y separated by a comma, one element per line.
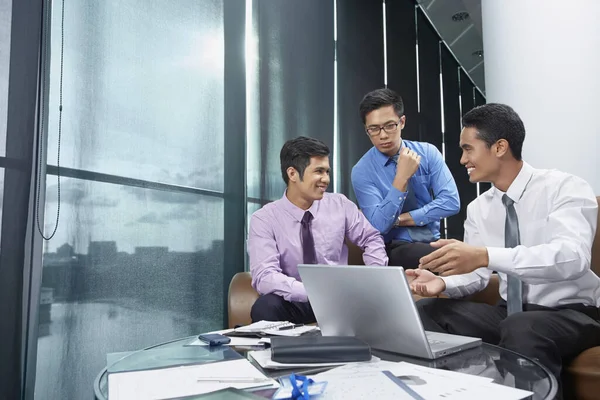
<point>478,53</point>
<point>460,16</point>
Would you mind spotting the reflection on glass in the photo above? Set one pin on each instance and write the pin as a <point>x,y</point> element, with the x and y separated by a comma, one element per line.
<point>143,89</point>
<point>1,198</point>
<point>127,268</point>
<point>5,25</point>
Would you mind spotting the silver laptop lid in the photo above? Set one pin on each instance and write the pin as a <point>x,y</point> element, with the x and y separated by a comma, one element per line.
<point>372,303</point>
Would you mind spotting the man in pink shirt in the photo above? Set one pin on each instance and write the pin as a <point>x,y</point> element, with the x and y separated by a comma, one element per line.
<point>306,226</point>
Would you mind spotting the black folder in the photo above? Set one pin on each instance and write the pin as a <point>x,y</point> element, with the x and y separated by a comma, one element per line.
<point>319,349</point>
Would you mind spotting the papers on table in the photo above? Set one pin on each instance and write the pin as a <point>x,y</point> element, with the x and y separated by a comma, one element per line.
<point>260,326</point>
<point>263,358</point>
<point>294,331</point>
<point>428,383</point>
<point>190,380</point>
<point>273,328</point>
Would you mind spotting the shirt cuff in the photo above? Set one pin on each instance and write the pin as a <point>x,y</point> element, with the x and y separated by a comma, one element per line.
<point>500,259</point>
<point>395,198</point>
<point>452,284</point>
<point>418,216</point>
<point>298,292</point>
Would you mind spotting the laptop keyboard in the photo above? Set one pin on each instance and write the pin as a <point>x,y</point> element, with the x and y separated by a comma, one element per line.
<point>433,341</point>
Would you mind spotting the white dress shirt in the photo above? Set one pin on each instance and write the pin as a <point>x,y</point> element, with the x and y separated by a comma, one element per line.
<point>557,215</point>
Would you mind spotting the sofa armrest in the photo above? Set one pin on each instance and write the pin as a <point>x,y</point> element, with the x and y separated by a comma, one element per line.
<point>490,295</point>
<point>241,299</point>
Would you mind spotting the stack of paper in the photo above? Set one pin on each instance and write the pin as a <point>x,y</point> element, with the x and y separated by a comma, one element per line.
<point>166,383</point>
<point>427,383</point>
<point>260,326</point>
<point>272,328</point>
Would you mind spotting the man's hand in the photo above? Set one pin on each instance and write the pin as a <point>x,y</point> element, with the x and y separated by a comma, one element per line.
<point>405,219</point>
<point>424,283</point>
<point>454,257</point>
<point>408,163</point>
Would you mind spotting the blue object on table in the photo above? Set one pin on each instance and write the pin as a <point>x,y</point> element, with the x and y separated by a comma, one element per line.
<point>298,387</point>
<point>298,393</point>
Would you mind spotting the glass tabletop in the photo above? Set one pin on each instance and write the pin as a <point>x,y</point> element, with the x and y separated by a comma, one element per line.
<point>503,366</point>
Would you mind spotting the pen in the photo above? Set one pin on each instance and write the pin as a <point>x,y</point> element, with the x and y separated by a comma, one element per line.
<point>289,327</point>
<point>233,379</point>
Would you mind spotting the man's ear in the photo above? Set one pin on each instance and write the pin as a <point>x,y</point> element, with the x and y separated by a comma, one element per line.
<point>502,148</point>
<point>402,121</point>
<point>292,174</point>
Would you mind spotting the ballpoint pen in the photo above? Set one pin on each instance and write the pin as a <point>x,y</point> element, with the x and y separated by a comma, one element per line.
<point>290,327</point>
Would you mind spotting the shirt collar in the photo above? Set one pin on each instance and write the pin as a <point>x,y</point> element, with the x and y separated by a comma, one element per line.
<point>296,212</point>
<point>384,159</point>
<point>517,187</point>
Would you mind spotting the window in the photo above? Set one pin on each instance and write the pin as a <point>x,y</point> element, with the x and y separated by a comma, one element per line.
<point>138,254</point>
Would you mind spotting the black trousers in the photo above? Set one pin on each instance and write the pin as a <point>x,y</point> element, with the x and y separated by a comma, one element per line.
<point>551,336</point>
<point>407,254</point>
<point>271,307</point>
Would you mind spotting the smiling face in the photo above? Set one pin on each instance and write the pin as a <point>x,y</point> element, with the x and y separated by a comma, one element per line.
<point>389,138</point>
<point>482,162</point>
<point>313,184</point>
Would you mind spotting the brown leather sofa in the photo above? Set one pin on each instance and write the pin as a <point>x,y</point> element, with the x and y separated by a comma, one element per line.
<point>581,377</point>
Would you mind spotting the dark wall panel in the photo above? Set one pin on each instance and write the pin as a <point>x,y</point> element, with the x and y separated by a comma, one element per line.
<point>360,70</point>
<point>430,120</point>
<point>480,100</point>
<point>402,60</point>
<point>235,156</point>
<point>20,248</point>
<point>452,128</point>
<point>466,93</point>
<point>295,79</point>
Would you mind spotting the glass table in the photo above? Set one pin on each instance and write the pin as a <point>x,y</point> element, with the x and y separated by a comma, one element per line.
<point>503,366</point>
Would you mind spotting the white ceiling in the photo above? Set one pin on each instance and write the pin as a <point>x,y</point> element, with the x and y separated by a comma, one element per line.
<point>463,37</point>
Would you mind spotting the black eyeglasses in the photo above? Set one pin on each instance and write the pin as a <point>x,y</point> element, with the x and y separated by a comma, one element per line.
<point>388,128</point>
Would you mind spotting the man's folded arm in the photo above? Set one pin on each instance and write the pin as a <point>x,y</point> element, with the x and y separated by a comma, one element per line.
<point>380,211</point>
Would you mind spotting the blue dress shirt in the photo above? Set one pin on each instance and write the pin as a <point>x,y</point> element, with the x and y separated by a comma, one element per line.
<point>434,193</point>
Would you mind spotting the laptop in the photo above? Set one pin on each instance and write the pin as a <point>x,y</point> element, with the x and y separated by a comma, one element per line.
<point>374,304</point>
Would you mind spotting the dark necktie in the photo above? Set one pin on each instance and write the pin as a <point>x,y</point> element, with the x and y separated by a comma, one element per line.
<point>514,296</point>
<point>417,233</point>
<point>308,244</point>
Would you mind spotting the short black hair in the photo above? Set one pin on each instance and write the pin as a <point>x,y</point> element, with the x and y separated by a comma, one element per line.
<point>381,98</point>
<point>496,121</point>
<point>297,153</point>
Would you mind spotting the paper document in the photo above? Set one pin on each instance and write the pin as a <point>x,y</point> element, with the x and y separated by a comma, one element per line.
<point>168,383</point>
<point>431,383</point>
<point>263,358</point>
<point>372,386</point>
<point>295,331</point>
<point>428,383</point>
<point>276,328</point>
<point>260,326</point>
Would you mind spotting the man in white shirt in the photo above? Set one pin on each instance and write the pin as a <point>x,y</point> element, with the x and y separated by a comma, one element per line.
<point>535,228</point>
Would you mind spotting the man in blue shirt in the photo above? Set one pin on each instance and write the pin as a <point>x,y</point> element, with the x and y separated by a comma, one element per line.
<point>403,187</point>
